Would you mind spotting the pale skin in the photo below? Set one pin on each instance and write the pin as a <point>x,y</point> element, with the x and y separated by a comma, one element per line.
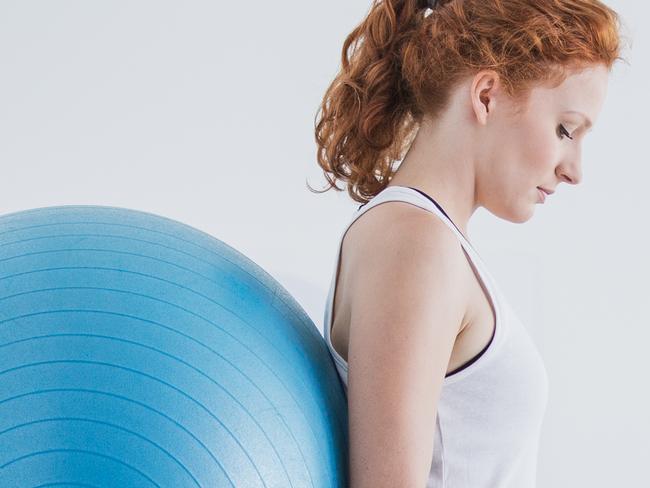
<point>400,340</point>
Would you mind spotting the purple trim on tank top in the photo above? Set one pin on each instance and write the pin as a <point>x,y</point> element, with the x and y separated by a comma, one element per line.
<point>474,359</point>
<point>441,209</point>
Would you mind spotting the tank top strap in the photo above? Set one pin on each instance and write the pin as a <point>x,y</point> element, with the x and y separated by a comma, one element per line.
<point>426,202</point>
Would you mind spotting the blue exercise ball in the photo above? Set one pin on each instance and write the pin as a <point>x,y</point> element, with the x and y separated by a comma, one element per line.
<point>137,351</point>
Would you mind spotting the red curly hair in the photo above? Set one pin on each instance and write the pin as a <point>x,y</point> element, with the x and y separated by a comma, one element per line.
<point>406,59</point>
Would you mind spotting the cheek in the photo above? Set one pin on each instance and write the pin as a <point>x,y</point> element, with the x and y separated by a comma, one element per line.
<point>537,152</point>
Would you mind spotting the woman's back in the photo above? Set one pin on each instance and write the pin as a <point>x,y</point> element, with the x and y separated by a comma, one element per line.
<point>474,425</point>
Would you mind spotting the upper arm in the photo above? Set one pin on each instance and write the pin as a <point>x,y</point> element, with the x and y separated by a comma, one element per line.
<point>407,306</point>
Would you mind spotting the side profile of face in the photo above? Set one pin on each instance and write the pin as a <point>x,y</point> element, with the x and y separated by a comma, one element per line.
<point>535,145</point>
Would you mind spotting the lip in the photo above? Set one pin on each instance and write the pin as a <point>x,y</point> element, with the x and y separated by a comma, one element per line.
<point>542,195</point>
<point>548,192</point>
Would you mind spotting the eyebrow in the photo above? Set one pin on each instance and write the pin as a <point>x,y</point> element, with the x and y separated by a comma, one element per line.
<point>588,123</point>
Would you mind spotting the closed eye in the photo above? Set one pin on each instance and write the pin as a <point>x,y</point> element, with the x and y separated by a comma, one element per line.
<point>564,132</point>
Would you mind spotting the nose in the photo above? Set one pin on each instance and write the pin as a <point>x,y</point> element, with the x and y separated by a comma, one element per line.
<point>570,171</point>
<point>574,180</point>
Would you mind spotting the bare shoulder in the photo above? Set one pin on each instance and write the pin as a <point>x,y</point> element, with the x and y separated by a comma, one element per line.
<point>396,238</point>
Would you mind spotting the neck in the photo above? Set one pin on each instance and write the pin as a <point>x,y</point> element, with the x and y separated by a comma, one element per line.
<point>442,170</point>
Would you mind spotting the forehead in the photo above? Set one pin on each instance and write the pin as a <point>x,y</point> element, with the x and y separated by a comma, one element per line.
<point>588,85</point>
<point>582,91</point>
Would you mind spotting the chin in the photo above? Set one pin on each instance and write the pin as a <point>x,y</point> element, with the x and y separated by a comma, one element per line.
<point>516,215</point>
<point>524,218</point>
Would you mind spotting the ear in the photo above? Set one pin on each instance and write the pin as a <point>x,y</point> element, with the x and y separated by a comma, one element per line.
<point>483,92</point>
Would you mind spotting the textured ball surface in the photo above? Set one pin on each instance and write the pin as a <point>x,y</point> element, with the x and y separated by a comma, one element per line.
<point>136,351</point>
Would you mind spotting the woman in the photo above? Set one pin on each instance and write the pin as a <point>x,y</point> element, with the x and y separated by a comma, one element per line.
<point>445,387</point>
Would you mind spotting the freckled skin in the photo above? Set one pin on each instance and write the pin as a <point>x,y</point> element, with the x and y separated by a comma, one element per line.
<point>487,151</point>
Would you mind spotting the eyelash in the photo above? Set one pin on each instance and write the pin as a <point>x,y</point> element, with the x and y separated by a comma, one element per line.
<point>564,132</point>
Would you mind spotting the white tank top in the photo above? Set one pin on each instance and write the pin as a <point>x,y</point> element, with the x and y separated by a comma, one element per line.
<point>491,409</point>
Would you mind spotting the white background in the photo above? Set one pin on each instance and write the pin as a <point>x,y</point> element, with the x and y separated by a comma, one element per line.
<point>203,112</point>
